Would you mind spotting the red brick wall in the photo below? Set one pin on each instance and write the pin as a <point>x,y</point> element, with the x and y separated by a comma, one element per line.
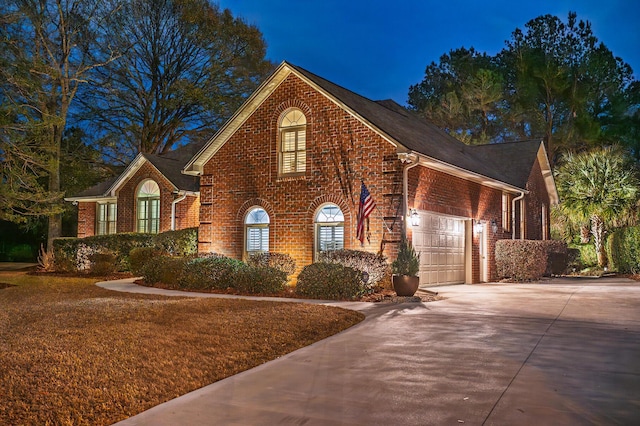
<point>537,196</point>
<point>127,199</point>
<point>187,212</point>
<point>439,192</point>
<point>340,152</point>
<point>86,219</point>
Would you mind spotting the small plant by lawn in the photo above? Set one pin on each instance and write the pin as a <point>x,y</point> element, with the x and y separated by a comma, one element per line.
<point>74,353</point>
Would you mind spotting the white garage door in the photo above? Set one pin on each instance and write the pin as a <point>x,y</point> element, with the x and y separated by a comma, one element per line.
<point>440,241</point>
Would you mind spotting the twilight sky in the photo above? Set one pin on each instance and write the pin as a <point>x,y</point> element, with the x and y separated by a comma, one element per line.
<point>379,48</point>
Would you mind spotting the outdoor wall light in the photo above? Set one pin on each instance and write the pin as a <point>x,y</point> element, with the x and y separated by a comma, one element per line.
<point>478,227</point>
<point>415,217</point>
<point>494,226</point>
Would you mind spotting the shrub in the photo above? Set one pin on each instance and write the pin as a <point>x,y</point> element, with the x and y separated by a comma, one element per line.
<point>373,266</point>
<point>140,256</point>
<point>407,262</point>
<point>280,261</point>
<point>165,269</point>
<point>178,243</point>
<point>210,273</point>
<point>260,280</point>
<point>521,260</point>
<point>587,255</point>
<point>557,257</point>
<point>102,264</point>
<point>330,281</point>
<point>623,250</point>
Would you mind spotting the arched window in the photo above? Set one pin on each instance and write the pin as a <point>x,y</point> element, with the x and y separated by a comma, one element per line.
<point>257,231</point>
<point>329,225</point>
<point>293,143</point>
<point>148,202</point>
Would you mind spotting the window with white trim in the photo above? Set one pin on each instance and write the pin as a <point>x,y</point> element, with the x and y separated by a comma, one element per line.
<point>148,204</point>
<point>293,143</point>
<point>329,223</point>
<point>106,217</point>
<point>256,231</point>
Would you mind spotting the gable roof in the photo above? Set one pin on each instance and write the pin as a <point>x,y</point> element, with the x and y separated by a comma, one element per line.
<point>169,165</point>
<point>407,131</point>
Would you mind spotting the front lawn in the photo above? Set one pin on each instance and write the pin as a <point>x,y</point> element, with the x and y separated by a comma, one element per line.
<point>73,353</point>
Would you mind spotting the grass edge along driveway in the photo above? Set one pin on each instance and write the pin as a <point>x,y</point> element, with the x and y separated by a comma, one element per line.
<point>73,353</point>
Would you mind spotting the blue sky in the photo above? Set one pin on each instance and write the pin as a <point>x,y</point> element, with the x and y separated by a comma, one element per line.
<point>380,48</point>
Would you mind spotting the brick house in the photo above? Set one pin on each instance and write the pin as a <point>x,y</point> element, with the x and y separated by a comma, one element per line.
<point>151,195</point>
<point>284,174</point>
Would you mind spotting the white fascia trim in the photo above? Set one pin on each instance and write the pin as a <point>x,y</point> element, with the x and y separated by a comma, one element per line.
<point>94,199</point>
<point>450,169</point>
<point>131,170</point>
<point>196,165</point>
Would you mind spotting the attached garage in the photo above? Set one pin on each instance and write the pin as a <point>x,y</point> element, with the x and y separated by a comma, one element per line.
<point>440,240</point>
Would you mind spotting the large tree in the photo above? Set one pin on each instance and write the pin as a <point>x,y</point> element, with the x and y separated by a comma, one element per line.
<point>554,80</point>
<point>187,66</point>
<point>46,52</point>
<point>597,187</point>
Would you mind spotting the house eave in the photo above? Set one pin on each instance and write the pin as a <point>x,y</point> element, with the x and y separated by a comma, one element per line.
<point>93,199</point>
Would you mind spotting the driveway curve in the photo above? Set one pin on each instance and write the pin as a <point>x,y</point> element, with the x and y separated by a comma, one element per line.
<point>559,352</point>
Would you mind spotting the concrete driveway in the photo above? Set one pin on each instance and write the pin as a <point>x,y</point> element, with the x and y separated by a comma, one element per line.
<point>561,352</point>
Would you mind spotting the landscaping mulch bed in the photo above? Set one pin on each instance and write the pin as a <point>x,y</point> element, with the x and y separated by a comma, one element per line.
<point>72,353</point>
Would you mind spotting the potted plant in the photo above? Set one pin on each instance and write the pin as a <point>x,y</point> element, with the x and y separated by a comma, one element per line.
<point>405,269</point>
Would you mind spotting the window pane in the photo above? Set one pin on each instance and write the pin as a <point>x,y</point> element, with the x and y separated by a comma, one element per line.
<point>330,237</point>
<point>288,141</point>
<point>257,216</point>
<point>302,140</point>
<point>257,239</point>
<point>288,162</point>
<point>301,163</point>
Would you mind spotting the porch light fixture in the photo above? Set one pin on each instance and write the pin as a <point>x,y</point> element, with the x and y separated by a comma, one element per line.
<point>494,226</point>
<point>415,217</point>
<point>478,227</point>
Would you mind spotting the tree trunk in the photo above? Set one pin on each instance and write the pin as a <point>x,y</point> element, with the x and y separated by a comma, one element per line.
<point>584,234</point>
<point>597,230</point>
<point>55,221</point>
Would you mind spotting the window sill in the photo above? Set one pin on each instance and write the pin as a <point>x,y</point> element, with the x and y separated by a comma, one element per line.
<point>291,178</point>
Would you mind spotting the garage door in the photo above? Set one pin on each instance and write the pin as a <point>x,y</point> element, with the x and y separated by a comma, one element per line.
<point>440,241</point>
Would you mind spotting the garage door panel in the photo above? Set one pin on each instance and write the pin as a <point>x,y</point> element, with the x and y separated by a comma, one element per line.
<point>440,241</point>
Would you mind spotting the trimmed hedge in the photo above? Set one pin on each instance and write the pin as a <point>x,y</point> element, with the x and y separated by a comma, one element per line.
<point>586,256</point>
<point>330,281</point>
<point>373,266</point>
<point>623,250</point>
<point>72,254</point>
<point>164,269</point>
<point>280,261</point>
<point>530,260</point>
<point>210,273</point>
<point>260,280</point>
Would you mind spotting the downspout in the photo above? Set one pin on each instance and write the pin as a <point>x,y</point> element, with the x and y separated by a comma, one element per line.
<point>173,210</point>
<point>410,161</point>
<point>513,216</point>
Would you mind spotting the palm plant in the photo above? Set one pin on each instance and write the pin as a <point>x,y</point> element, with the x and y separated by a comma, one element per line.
<point>599,187</point>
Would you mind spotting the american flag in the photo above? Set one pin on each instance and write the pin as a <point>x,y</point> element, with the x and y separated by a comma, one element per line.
<point>364,210</point>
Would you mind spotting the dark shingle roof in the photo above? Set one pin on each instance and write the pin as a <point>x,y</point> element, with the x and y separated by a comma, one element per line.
<point>412,131</point>
<point>170,164</point>
<point>514,159</point>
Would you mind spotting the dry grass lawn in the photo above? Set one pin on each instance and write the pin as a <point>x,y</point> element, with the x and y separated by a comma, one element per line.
<point>72,353</point>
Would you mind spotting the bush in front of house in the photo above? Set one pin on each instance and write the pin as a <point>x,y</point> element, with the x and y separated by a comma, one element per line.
<point>557,257</point>
<point>165,269</point>
<point>183,242</point>
<point>102,264</point>
<point>260,280</point>
<point>623,250</point>
<point>373,266</point>
<point>140,256</point>
<point>72,254</point>
<point>521,260</point>
<point>281,261</point>
<point>207,273</point>
<point>586,256</point>
<point>332,281</point>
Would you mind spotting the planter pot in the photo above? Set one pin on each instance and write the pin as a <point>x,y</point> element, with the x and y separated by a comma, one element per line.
<point>405,285</point>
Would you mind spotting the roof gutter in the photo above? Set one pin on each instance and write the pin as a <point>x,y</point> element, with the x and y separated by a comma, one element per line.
<point>513,216</point>
<point>173,209</point>
<point>410,161</point>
